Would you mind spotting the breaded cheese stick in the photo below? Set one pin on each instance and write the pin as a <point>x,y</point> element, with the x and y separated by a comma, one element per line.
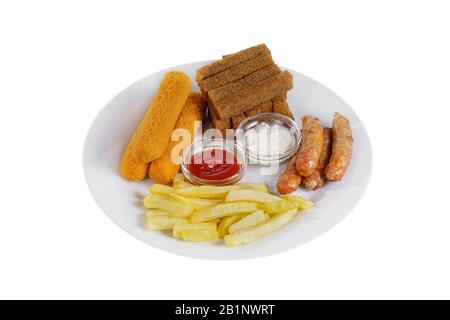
<point>215,95</point>
<point>153,133</point>
<point>235,73</point>
<point>163,169</point>
<point>253,95</point>
<point>318,178</point>
<point>289,181</point>
<point>311,146</point>
<point>130,168</point>
<point>230,60</point>
<point>220,124</point>
<point>281,106</point>
<point>341,148</point>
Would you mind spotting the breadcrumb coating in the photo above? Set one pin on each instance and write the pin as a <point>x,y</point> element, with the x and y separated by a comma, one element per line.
<point>131,168</point>
<point>153,133</point>
<point>163,169</point>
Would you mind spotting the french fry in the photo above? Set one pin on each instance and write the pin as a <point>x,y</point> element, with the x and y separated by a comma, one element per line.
<point>160,189</point>
<point>277,207</point>
<point>260,230</point>
<point>301,203</point>
<point>163,223</point>
<point>154,213</point>
<point>181,184</point>
<point>179,177</point>
<point>215,221</point>
<point>248,221</point>
<point>251,195</point>
<point>207,192</point>
<point>223,210</point>
<point>195,203</point>
<point>223,227</point>
<point>254,186</point>
<point>199,235</point>
<point>175,208</point>
<point>179,228</point>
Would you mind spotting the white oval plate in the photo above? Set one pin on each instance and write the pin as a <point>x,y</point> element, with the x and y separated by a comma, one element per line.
<point>121,200</point>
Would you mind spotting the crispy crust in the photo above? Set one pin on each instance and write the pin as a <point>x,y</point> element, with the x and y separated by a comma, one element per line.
<point>154,131</point>
<point>341,149</point>
<point>310,147</point>
<point>130,168</point>
<point>253,95</point>
<point>163,169</point>
<point>281,106</point>
<point>231,60</point>
<point>235,73</point>
<point>289,181</point>
<point>318,178</point>
<point>234,87</point>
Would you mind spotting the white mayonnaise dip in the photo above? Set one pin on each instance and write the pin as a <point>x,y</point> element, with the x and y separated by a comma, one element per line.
<point>269,140</point>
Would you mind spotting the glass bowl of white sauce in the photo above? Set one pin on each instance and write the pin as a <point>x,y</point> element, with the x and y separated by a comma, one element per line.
<point>268,138</point>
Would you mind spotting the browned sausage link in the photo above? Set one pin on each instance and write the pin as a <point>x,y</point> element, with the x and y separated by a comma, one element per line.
<point>317,179</point>
<point>311,146</point>
<point>341,150</point>
<point>289,181</point>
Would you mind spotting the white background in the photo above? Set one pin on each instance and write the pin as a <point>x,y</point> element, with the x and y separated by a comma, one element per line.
<point>61,62</point>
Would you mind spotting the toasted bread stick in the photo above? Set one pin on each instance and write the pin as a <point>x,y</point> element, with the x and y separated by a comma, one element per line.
<point>289,181</point>
<point>260,108</point>
<point>311,146</point>
<point>318,178</point>
<point>163,169</point>
<point>253,95</point>
<point>236,72</point>
<point>231,60</point>
<point>220,124</point>
<point>281,106</point>
<point>234,87</point>
<point>341,148</point>
<point>153,133</point>
<point>130,168</point>
<point>236,120</point>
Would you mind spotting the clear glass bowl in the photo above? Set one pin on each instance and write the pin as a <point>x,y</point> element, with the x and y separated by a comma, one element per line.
<point>209,144</point>
<point>269,118</point>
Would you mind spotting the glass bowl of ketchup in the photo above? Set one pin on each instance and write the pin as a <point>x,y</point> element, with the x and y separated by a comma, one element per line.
<point>215,162</point>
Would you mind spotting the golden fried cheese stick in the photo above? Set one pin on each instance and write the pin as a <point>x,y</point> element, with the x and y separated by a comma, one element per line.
<point>131,169</point>
<point>253,95</point>
<point>234,87</point>
<point>317,179</point>
<point>163,169</point>
<point>153,133</point>
<point>341,148</point>
<point>311,146</point>
<point>231,60</point>
<point>289,181</point>
<point>236,72</point>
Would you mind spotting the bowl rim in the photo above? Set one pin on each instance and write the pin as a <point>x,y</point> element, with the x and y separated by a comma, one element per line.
<point>295,129</point>
<point>224,143</point>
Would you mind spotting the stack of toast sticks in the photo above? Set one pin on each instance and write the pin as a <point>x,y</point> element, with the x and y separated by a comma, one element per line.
<point>243,84</point>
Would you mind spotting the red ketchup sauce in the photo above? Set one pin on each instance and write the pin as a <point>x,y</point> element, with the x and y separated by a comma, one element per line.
<point>215,164</point>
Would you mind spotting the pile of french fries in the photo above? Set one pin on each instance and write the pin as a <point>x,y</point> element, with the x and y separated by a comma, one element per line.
<point>239,214</point>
